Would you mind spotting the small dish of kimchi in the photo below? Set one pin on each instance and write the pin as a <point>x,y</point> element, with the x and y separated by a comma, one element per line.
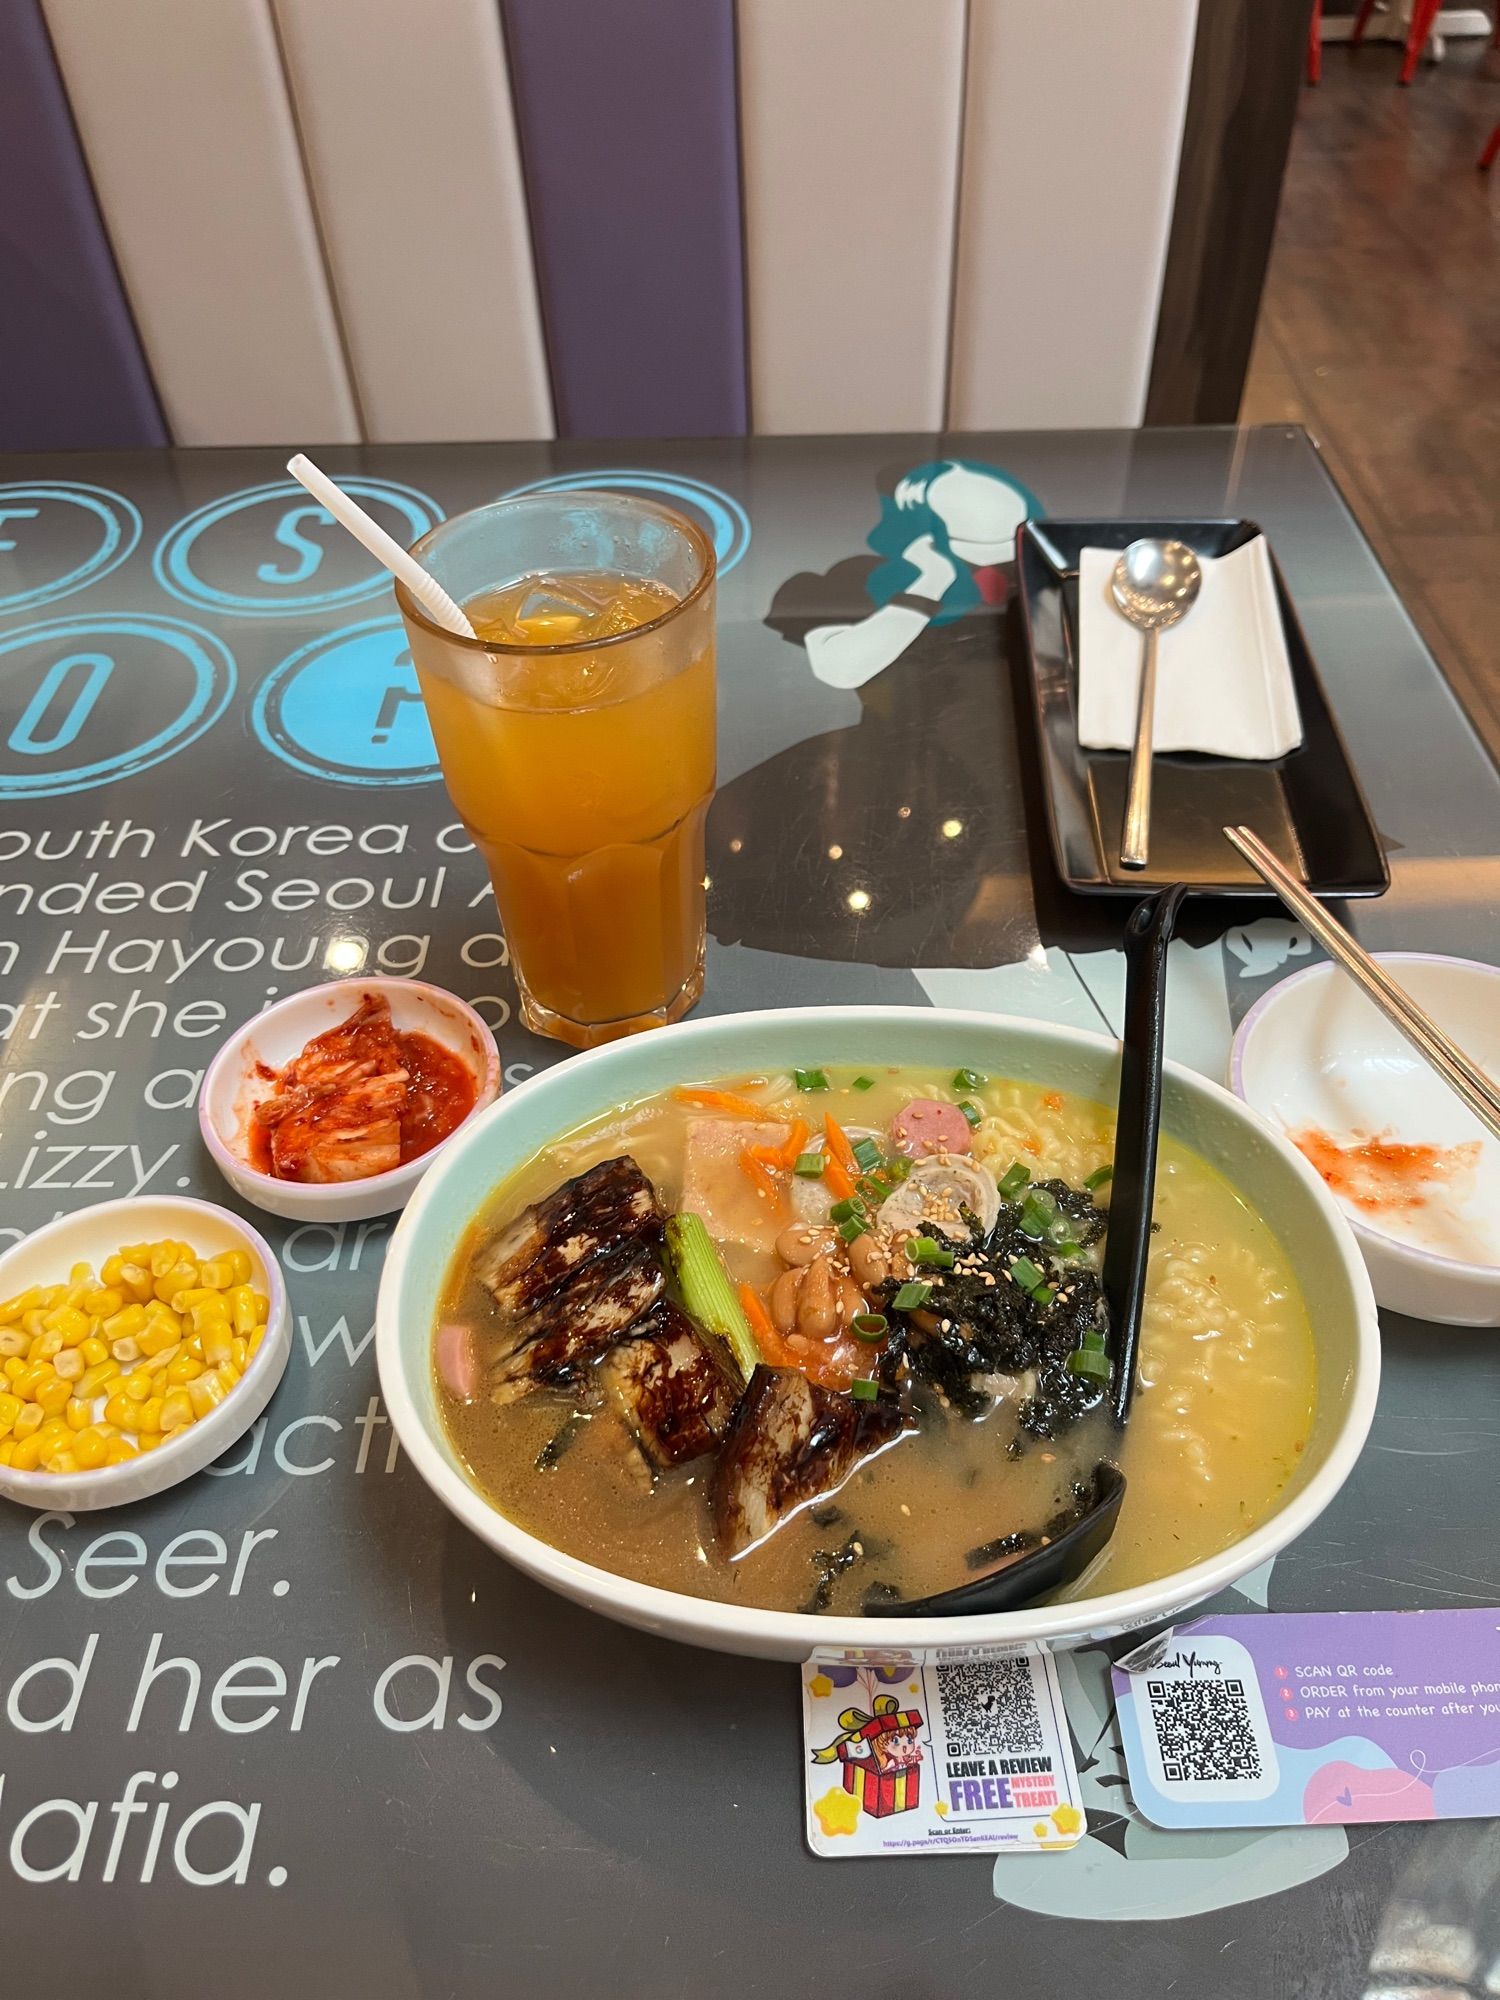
<point>331,1105</point>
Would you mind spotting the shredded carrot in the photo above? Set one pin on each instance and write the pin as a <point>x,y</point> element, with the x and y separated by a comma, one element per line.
<point>796,1140</point>
<point>720,1100</point>
<point>767,1338</point>
<point>838,1145</point>
<point>837,1182</point>
<point>757,1171</point>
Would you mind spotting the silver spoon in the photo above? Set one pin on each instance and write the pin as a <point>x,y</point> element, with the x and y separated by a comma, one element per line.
<point>1154,585</point>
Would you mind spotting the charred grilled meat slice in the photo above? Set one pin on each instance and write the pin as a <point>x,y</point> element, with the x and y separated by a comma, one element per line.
<point>673,1395</point>
<point>586,1217</point>
<point>580,1320</point>
<point>790,1442</point>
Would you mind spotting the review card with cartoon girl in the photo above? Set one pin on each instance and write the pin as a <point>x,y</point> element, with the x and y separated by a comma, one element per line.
<point>969,1754</point>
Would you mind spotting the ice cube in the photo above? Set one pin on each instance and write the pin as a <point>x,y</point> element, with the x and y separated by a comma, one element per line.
<point>555,613</point>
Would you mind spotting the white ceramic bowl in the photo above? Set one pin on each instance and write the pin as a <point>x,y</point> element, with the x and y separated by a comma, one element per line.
<point>89,1237</point>
<point>1271,1174</point>
<point>232,1086</point>
<point>1314,1054</point>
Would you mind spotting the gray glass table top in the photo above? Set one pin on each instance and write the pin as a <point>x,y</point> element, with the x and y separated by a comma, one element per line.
<point>451,1783</point>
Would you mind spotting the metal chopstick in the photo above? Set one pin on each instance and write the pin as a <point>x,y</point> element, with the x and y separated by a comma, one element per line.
<point>1458,1071</point>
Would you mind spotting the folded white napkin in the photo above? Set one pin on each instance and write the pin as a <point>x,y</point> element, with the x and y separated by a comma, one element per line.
<point>1223,679</point>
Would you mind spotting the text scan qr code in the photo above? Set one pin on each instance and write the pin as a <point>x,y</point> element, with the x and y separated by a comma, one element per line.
<point>990,1708</point>
<point>1204,1730</point>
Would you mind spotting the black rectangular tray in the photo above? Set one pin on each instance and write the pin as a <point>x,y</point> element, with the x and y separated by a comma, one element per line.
<point>1307,806</point>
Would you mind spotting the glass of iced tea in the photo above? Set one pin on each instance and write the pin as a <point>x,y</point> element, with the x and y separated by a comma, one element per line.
<point>577,741</point>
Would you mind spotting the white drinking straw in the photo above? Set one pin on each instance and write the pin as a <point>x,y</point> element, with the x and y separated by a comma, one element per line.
<point>423,586</point>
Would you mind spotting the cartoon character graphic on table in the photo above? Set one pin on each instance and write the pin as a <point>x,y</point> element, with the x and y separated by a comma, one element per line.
<point>898,809</point>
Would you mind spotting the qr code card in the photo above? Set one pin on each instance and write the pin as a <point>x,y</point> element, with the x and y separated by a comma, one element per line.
<point>902,1757</point>
<point>1315,1718</point>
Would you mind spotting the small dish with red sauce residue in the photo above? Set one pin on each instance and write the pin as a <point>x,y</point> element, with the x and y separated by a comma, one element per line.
<point>1413,1169</point>
<point>331,1105</point>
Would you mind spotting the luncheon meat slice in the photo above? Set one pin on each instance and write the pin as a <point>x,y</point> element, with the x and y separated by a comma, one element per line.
<point>791,1441</point>
<point>579,1321</point>
<point>587,1217</point>
<point>672,1394</point>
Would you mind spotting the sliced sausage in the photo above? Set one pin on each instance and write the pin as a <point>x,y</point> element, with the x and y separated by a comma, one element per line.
<point>926,1126</point>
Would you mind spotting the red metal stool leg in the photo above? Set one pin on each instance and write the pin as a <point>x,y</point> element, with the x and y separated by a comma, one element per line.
<point>1491,152</point>
<point>1361,22</point>
<point>1315,43</point>
<point>1423,14</point>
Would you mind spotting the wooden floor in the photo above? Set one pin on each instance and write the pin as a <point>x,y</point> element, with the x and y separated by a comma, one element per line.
<point>1380,331</point>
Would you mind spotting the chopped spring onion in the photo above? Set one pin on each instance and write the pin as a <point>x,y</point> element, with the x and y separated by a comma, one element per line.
<point>969,1079</point>
<point>1098,1178</point>
<point>864,1388</point>
<point>1089,1361</point>
<point>846,1211</point>
<point>869,1327</point>
<point>708,1294</point>
<point>1037,1216</point>
<point>971,1111</point>
<point>1011,1183</point>
<point>810,1079</point>
<point>1070,1249</point>
<point>863,1083</point>
<point>872,1187</point>
<point>927,1251</point>
<point>899,1168</point>
<point>1094,1338</point>
<point>911,1295</point>
<point>867,1155</point>
<point>1045,1294</point>
<point>1026,1274</point>
<point>809,1165</point>
<point>853,1227</point>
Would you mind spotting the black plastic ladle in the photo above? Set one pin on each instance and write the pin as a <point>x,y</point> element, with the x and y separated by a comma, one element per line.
<point>1022,1579</point>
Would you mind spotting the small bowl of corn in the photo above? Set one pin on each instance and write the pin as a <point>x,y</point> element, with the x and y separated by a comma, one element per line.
<point>138,1340</point>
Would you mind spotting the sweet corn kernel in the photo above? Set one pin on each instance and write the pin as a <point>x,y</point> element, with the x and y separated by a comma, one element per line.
<point>149,1443</point>
<point>126,1324</point>
<point>193,1345</point>
<point>102,1300</point>
<point>148,1414</point>
<point>30,1420</point>
<point>14,1367</point>
<point>59,1461</point>
<point>92,1380</point>
<point>137,1385</point>
<point>218,1272</point>
<point>184,1369</point>
<point>161,1333</point>
<point>26,1453</point>
<point>13,1308</point>
<point>176,1410</point>
<point>257,1335</point>
<point>227,1373</point>
<point>45,1345</point>
<point>111,1268</point>
<point>239,1352</point>
<point>13,1342</point>
<point>135,1281</point>
<point>55,1431</point>
<point>118,1449</point>
<point>89,1448</point>
<point>241,1302</point>
<point>207,1393</point>
<point>119,1410</point>
<point>125,1350</point>
<point>72,1324</point>
<point>80,1414</point>
<point>158,1364</point>
<point>218,1343</point>
<point>10,1408</point>
<point>53,1396</point>
<point>69,1364</point>
<point>7,1450</point>
<point>31,1379</point>
<point>159,1315</point>
<point>94,1350</point>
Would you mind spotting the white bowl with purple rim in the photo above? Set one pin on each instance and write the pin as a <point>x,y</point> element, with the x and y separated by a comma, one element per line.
<point>90,1237</point>
<point>237,1078</point>
<point>1414,1171</point>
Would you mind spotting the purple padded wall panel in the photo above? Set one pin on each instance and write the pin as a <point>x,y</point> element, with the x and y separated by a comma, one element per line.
<point>629,142</point>
<point>71,370</point>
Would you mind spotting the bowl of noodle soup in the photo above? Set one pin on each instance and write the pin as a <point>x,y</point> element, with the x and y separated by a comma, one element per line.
<point>1260,1345</point>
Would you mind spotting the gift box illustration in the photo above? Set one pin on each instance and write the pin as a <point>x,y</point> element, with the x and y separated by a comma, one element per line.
<point>881,1756</point>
